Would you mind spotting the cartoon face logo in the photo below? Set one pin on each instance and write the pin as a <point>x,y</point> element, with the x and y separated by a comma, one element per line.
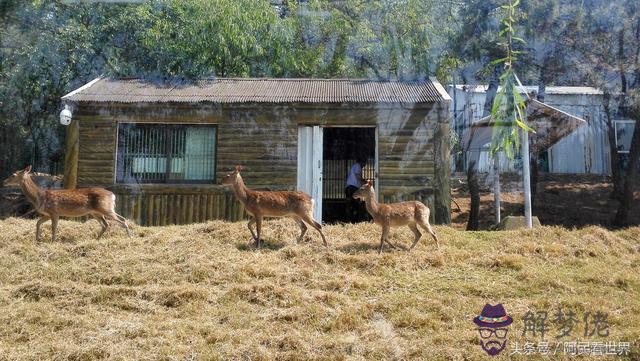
<point>492,326</point>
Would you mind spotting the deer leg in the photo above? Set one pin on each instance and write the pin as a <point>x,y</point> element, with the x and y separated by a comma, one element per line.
<point>252,221</point>
<point>416,233</point>
<point>54,227</point>
<point>387,241</point>
<point>303,228</point>
<point>427,227</point>
<point>391,244</point>
<point>120,219</point>
<point>103,223</point>
<point>123,222</point>
<point>38,224</point>
<point>309,219</point>
<point>258,229</point>
<point>385,234</point>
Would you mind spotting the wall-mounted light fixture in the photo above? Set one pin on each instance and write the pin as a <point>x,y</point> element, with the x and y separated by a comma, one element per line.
<point>65,115</point>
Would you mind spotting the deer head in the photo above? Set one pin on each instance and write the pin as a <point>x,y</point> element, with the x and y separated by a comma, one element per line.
<point>230,178</point>
<point>365,192</point>
<point>16,178</point>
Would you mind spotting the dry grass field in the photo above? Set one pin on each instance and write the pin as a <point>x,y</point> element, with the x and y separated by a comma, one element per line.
<point>202,292</point>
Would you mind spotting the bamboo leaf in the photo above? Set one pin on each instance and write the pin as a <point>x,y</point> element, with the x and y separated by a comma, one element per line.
<point>498,61</point>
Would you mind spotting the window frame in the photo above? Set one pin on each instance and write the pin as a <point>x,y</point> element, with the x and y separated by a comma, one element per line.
<point>615,131</point>
<point>118,154</point>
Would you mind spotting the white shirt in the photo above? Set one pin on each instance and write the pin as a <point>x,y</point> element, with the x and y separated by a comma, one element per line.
<point>355,176</point>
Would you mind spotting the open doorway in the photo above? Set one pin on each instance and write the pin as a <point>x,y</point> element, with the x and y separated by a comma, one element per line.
<point>342,148</point>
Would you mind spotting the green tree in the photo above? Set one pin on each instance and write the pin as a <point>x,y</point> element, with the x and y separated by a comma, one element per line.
<point>508,111</point>
<point>608,46</point>
<point>374,39</point>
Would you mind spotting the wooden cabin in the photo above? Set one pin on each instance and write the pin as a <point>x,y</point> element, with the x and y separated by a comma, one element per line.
<point>163,147</point>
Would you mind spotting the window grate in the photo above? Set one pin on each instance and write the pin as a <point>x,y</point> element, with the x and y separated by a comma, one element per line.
<point>335,173</point>
<point>164,153</point>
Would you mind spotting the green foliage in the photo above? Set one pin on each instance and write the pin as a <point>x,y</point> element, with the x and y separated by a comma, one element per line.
<point>198,38</point>
<point>201,38</point>
<point>374,39</point>
<point>508,112</point>
<point>50,47</point>
<point>508,116</point>
<point>472,41</point>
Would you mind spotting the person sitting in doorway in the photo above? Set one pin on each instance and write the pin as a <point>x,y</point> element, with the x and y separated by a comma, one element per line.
<point>355,208</point>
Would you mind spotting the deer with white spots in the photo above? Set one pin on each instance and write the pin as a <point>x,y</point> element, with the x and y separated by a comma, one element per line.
<point>411,214</point>
<point>261,204</point>
<point>53,203</point>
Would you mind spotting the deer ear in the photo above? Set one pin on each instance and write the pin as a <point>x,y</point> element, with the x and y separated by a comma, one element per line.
<point>27,169</point>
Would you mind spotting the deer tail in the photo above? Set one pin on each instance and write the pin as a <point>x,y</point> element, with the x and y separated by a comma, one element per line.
<point>313,210</point>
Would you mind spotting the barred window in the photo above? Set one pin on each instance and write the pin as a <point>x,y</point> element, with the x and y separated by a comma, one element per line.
<point>166,153</point>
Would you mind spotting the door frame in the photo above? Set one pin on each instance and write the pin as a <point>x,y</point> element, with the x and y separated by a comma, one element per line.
<point>309,165</point>
<point>317,153</point>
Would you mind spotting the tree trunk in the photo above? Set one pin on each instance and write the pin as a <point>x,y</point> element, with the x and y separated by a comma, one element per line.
<point>474,190</point>
<point>494,83</point>
<point>616,174</point>
<point>472,171</point>
<point>442,178</point>
<point>542,81</point>
<point>542,90</point>
<point>630,110</point>
<point>630,180</point>
<point>71,154</point>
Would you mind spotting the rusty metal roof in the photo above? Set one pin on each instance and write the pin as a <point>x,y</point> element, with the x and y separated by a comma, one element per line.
<point>550,125</point>
<point>259,90</point>
<point>560,90</point>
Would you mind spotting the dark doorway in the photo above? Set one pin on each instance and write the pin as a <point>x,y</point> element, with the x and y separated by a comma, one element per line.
<point>342,147</point>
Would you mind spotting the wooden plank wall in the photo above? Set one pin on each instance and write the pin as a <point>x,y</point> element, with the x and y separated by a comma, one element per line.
<point>405,147</point>
<point>173,206</point>
<point>96,157</point>
<point>264,141</point>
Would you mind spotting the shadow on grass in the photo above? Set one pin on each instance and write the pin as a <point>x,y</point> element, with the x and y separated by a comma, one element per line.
<point>70,239</point>
<point>366,247</point>
<point>60,238</point>
<point>264,244</point>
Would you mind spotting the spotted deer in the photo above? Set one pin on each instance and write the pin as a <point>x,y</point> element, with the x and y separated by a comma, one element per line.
<point>411,214</point>
<point>53,203</point>
<point>261,204</point>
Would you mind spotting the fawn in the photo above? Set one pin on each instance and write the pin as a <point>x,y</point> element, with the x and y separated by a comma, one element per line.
<point>409,214</point>
<point>53,203</point>
<point>260,204</point>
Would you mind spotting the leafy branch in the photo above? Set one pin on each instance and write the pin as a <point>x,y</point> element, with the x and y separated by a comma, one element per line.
<point>508,113</point>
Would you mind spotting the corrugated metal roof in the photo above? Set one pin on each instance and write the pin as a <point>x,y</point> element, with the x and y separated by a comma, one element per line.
<point>259,90</point>
<point>550,125</point>
<point>566,90</point>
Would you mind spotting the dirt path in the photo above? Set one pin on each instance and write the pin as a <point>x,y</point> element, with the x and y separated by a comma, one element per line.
<point>567,200</point>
